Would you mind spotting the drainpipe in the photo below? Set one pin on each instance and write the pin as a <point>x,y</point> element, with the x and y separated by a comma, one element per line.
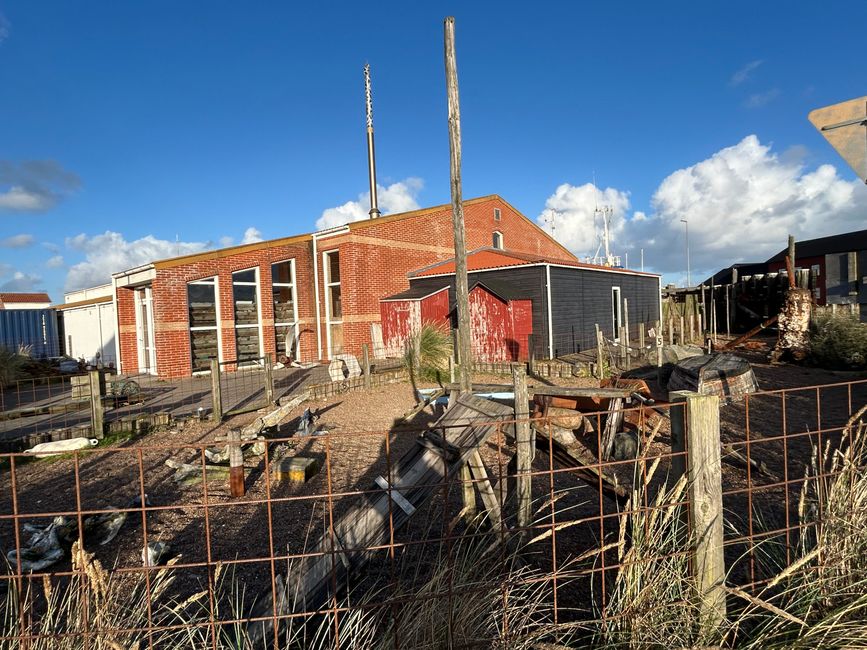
<point>116,325</point>
<point>340,230</point>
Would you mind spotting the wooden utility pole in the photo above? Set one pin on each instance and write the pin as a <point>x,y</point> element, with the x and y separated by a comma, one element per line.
<point>461,283</point>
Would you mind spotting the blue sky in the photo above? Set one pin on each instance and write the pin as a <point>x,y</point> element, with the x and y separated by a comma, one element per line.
<point>127,126</point>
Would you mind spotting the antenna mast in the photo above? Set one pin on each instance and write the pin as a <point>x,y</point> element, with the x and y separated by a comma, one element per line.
<point>606,211</point>
<point>371,161</point>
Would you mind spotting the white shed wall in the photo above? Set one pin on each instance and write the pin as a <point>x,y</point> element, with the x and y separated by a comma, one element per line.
<point>90,330</point>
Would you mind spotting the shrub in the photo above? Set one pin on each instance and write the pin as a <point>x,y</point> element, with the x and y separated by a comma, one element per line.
<point>838,341</point>
<point>427,352</point>
<point>11,364</point>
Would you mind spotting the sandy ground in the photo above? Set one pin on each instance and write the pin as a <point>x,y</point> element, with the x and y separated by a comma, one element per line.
<point>362,441</point>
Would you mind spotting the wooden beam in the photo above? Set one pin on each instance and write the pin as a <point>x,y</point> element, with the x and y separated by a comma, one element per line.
<point>461,283</point>
<point>483,485</point>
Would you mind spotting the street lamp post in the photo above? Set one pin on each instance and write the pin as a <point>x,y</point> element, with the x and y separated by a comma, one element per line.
<point>688,276</point>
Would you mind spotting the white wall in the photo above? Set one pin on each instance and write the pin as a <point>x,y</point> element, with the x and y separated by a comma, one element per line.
<point>84,294</point>
<point>90,330</point>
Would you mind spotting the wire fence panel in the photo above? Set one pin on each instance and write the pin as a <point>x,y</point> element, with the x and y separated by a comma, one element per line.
<point>402,538</point>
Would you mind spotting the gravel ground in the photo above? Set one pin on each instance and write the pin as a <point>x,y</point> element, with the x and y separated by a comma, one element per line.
<point>362,434</point>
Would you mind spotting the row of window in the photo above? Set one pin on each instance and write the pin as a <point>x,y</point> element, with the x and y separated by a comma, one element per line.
<point>205,335</point>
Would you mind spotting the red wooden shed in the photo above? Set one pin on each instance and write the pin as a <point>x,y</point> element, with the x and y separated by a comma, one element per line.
<point>499,322</point>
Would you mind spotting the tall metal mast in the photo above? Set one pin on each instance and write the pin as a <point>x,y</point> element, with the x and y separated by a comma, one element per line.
<point>371,160</point>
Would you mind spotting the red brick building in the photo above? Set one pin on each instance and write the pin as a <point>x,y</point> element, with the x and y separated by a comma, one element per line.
<point>318,292</point>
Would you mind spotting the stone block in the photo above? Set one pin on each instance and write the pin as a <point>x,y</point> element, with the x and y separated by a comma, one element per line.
<point>297,469</point>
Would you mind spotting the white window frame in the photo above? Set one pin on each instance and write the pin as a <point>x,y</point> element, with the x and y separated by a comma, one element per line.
<point>326,272</point>
<point>498,237</point>
<point>147,359</point>
<point>257,284</point>
<point>294,286</point>
<point>618,318</point>
<point>203,328</point>
<point>497,214</point>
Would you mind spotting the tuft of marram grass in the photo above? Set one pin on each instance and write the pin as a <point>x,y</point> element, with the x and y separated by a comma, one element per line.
<point>838,341</point>
<point>427,352</point>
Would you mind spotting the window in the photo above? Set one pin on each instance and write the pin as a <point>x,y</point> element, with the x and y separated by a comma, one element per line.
<point>496,214</point>
<point>498,239</point>
<point>204,323</point>
<point>245,296</point>
<point>333,304</point>
<point>285,308</point>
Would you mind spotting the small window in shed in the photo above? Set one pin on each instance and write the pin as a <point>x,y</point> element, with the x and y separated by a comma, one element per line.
<point>498,239</point>
<point>616,314</point>
<point>496,214</point>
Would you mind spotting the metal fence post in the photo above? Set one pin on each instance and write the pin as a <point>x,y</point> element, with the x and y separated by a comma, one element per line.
<point>236,464</point>
<point>97,412</point>
<point>216,392</point>
<point>269,380</point>
<point>695,430</point>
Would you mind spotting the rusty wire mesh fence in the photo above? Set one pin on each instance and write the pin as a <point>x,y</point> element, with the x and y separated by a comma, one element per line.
<point>403,538</point>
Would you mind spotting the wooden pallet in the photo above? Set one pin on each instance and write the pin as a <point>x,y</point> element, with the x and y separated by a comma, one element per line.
<point>439,454</point>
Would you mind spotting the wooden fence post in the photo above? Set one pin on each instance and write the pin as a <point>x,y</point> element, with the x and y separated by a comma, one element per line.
<point>269,380</point>
<point>97,411</point>
<point>365,364</point>
<point>216,392</point>
<point>531,354</point>
<point>695,430</point>
<point>524,445</point>
<point>600,366</point>
<point>236,464</point>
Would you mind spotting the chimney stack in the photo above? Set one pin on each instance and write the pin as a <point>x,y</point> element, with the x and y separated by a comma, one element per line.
<point>371,160</point>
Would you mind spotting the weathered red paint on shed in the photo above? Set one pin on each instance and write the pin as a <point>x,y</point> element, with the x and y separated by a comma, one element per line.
<point>499,327</point>
<point>401,317</point>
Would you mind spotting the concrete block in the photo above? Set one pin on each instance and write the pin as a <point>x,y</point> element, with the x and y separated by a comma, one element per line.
<point>297,469</point>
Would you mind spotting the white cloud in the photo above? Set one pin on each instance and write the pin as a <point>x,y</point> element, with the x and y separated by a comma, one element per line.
<point>21,282</point>
<point>251,236</point>
<point>758,100</point>
<point>18,199</point>
<point>4,28</point>
<point>397,197</point>
<point>741,203</point>
<point>109,253</point>
<point>55,262</point>
<point>226,241</point>
<point>17,241</point>
<point>744,73</point>
<point>574,211</point>
<point>34,185</point>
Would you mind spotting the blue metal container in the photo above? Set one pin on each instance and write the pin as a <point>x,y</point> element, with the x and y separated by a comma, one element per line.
<point>30,327</point>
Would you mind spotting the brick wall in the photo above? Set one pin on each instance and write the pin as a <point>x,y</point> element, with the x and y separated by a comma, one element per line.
<point>374,262</point>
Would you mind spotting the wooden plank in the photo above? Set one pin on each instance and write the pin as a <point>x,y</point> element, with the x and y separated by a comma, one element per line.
<point>468,494</point>
<point>486,492</point>
<point>613,422</point>
<point>569,452</point>
<point>523,444</point>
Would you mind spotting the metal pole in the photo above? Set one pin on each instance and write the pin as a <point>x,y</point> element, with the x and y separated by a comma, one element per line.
<point>688,275</point>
